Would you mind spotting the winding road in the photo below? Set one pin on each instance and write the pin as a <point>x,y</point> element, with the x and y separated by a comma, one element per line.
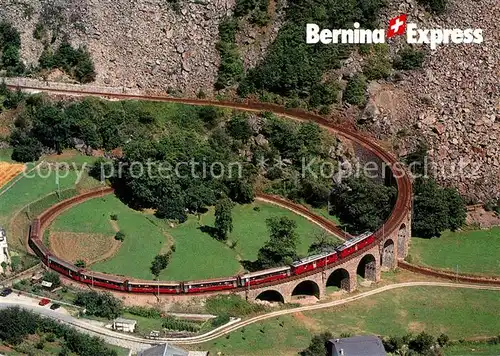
<point>137,343</point>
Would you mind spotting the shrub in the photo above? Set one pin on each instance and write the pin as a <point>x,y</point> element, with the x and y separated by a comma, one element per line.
<point>409,58</point>
<point>220,320</point>
<point>77,63</point>
<point>80,263</point>
<point>114,217</point>
<point>171,323</point>
<point>52,277</point>
<point>145,312</point>
<point>443,340</point>
<point>231,65</point>
<point>355,90</point>
<point>378,64</point>
<point>120,236</point>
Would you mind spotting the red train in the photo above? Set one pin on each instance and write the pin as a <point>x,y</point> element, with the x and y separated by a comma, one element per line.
<point>124,284</point>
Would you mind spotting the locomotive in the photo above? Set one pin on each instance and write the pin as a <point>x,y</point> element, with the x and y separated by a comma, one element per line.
<point>124,284</point>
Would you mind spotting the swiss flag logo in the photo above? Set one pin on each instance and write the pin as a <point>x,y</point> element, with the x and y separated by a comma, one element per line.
<point>397,26</point>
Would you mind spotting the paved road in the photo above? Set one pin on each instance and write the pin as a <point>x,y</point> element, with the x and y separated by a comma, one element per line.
<point>137,343</point>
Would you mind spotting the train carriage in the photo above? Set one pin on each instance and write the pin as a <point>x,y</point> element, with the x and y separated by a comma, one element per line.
<point>355,244</point>
<point>103,280</point>
<point>155,287</point>
<point>63,267</point>
<point>269,275</point>
<point>312,262</point>
<point>211,285</point>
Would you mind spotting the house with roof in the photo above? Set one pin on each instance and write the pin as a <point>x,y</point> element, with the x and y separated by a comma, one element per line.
<point>367,345</point>
<point>170,350</point>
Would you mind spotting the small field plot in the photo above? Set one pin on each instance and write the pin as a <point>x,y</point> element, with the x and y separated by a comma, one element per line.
<point>9,171</point>
<point>472,251</point>
<point>457,312</point>
<point>29,189</point>
<point>143,239</point>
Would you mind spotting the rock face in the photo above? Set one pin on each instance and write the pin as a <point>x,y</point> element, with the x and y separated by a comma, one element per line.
<point>453,103</point>
<point>147,44</point>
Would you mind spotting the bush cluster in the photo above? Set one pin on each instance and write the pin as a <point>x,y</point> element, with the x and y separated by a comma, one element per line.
<point>231,66</point>
<point>355,91</point>
<point>77,63</point>
<point>10,46</point>
<point>171,323</point>
<point>409,58</point>
<point>145,312</point>
<point>293,68</point>
<point>257,9</point>
<point>100,304</point>
<point>17,324</point>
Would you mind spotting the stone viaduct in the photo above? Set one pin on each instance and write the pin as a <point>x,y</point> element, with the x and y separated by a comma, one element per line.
<point>343,274</point>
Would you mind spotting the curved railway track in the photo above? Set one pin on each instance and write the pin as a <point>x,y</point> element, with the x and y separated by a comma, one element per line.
<point>403,182</point>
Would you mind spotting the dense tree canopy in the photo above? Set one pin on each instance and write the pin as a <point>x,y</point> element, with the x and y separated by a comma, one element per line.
<point>362,204</point>
<point>18,324</point>
<point>436,209</point>
<point>281,249</point>
<point>317,347</point>
<point>223,218</point>
<point>100,304</point>
<point>295,69</point>
<point>10,46</point>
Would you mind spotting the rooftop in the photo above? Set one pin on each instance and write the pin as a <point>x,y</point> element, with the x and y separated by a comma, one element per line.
<point>356,346</point>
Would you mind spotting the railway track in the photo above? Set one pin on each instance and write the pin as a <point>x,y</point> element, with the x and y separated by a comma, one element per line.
<point>403,182</point>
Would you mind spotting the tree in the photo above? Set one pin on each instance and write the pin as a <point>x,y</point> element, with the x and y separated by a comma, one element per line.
<point>99,304</point>
<point>52,277</point>
<point>355,91</point>
<point>281,249</point>
<point>457,211</point>
<point>323,242</point>
<point>317,347</point>
<point>160,262</point>
<point>223,218</point>
<point>436,209</point>
<point>80,263</point>
<point>362,204</point>
<point>239,128</point>
<point>422,343</point>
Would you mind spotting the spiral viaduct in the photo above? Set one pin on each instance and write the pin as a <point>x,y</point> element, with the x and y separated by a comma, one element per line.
<point>391,240</point>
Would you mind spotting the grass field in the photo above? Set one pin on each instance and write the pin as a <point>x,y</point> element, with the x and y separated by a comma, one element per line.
<point>28,190</point>
<point>473,251</point>
<point>481,349</point>
<point>197,254</point>
<point>5,154</point>
<point>215,258</point>
<point>143,239</point>
<point>458,313</point>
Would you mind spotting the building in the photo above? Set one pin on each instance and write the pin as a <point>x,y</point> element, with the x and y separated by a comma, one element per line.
<point>356,346</point>
<point>121,324</point>
<point>4,251</point>
<point>170,350</point>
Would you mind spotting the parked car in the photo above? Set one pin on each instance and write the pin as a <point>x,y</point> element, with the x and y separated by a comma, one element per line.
<point>55,306</point>
<point>44,302</point>
<point>5,292</point>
